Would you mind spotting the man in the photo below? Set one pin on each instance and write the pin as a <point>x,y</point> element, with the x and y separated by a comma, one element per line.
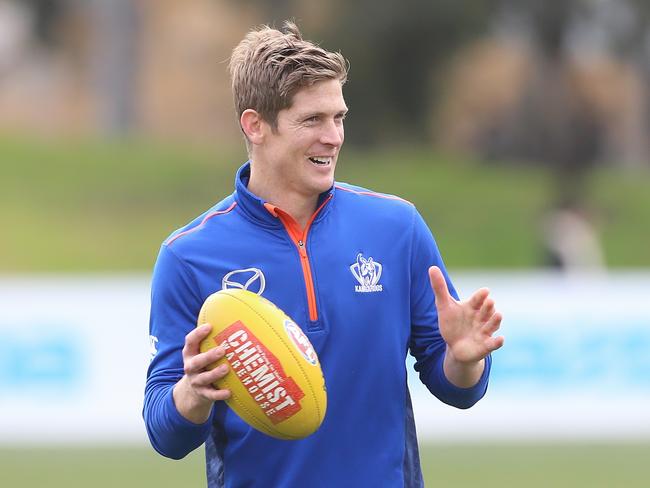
<point>354,268</point>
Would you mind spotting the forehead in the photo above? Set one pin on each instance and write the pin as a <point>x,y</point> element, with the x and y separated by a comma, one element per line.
<point>323,96</point>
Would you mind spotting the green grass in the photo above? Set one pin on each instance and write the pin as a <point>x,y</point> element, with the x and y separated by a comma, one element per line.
<point>90,206</point>
<point>533,466</point>
<point>482,216</point>
<point>95,206</point>
<point>66,467</point>
<point>487,466</point>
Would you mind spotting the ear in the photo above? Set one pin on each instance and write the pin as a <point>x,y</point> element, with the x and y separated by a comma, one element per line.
<point>253,126</point>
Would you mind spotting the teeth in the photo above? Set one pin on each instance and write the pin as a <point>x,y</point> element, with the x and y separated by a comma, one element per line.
<point>320,160</point>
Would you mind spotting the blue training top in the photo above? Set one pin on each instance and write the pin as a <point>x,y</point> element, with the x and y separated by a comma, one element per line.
<point>356,281</point>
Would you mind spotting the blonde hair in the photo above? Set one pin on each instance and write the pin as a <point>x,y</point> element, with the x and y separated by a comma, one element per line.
<point>269,66</point>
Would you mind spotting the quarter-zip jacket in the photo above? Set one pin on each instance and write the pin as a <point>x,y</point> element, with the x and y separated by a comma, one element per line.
<point>356,281</point>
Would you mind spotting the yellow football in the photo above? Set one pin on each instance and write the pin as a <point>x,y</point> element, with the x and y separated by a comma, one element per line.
<point>275,377</point>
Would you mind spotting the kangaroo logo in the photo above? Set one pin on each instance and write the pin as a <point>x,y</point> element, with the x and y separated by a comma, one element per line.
<point>153,350</point>
<point>367,272</point>
<point>251,279</point>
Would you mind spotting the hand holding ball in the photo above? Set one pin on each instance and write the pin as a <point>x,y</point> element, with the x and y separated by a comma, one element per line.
<point>275,378</point>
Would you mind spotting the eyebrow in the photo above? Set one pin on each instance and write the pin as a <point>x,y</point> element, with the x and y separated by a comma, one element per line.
<point>307,115</point>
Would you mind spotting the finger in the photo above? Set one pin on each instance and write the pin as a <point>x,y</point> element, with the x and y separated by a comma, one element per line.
<point>492,325</point>
<point>210,392</point>
<point>210,377</point>
<point>193,340</point>
<point>477,299</point>
<point>216,395</point>
<point>495,343</point>
<point>199,362</point>
<point>439,286</point>
<point>486,311</point>
<point>205,384</point>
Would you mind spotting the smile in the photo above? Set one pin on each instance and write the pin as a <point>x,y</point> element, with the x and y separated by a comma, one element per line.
<point>321,160</point>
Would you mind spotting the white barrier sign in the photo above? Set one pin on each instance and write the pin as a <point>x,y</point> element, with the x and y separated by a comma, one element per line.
<point>73,358</point>
<point>576,363</point>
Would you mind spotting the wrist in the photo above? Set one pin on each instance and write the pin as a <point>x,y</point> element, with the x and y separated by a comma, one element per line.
<point>463,374</point>
<point>191,406</point>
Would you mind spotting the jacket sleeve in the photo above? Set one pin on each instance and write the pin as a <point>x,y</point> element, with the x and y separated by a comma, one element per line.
<point>426,344</point>
<point>175,304</point>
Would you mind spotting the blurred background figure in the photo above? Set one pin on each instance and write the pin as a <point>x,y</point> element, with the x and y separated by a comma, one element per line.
<point>571,242</point>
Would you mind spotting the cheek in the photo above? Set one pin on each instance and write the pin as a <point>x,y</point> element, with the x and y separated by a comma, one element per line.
<point>301,140</point>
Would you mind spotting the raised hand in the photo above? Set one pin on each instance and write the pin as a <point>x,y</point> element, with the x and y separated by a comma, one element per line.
<point>466,326</point>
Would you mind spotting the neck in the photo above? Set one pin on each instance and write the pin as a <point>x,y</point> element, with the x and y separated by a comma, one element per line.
<point>300,207</point>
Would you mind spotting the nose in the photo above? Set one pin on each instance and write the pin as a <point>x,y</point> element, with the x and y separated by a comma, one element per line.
<point>332,134</point>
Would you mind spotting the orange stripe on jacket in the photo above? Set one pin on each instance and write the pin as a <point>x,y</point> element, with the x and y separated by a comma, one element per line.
<point>205,219</point>
<point>372,194</point>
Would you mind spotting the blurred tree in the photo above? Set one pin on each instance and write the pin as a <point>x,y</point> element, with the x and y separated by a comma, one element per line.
<point>274,11</point>
<point>557,125</point>
<point>115,27</point>
<point>117,23</point>
<point>632,42</point>
<point>396,50</point>
<point>47,15</point>
<point>554,125</point>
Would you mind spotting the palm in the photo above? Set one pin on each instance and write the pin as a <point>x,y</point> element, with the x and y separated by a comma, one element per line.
<point>466,326</point>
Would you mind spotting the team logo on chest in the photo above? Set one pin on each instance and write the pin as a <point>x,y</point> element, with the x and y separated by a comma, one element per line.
<point>367,272</point>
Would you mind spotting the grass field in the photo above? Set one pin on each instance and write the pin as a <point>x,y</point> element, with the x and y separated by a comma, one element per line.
<point>458,466</point>
<point>92,206</point>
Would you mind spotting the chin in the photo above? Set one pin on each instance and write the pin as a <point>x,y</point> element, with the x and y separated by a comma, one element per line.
<point>325,184</point>
<point>320,181</point>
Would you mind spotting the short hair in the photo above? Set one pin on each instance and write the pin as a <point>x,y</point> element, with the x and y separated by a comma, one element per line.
<point>269,66</point>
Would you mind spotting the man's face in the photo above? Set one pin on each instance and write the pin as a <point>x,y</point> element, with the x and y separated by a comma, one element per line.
<point>301,152</point>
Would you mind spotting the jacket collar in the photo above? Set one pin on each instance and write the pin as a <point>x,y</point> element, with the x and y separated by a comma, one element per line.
<point>253,206</point>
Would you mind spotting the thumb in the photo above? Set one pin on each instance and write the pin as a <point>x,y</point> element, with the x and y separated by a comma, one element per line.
<point>439,286</point>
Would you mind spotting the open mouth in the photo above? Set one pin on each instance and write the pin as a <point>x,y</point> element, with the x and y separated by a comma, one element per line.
<point>321,160</point>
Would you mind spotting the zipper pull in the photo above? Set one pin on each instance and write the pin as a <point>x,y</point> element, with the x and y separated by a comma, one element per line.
<point>301,249</point>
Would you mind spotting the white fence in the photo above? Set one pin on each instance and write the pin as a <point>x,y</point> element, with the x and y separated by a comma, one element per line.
<point>576,363</point>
